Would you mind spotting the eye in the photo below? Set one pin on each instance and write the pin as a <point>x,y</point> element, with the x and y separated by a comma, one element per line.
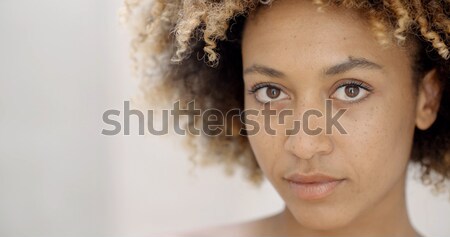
<point>265,93</point>
<point>352,91</point>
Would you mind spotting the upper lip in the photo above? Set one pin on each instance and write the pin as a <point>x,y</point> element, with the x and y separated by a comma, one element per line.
<point>310,178</point>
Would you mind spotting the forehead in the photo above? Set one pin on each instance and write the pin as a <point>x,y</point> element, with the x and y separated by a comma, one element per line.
<point>295,29</point>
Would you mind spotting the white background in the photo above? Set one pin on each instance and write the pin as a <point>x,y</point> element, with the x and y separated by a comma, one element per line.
<point>62,64</point>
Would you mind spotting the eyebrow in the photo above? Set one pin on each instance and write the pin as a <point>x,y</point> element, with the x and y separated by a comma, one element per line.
<point>351,63</point>
<point>266,71</point>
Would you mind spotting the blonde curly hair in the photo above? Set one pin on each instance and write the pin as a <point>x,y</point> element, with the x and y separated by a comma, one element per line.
<point>191,49</point>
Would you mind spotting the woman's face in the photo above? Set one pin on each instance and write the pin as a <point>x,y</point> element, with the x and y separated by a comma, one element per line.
<point>302,58</point>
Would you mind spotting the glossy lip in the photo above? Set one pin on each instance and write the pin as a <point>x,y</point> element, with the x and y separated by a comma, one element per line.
<point>313,186</point>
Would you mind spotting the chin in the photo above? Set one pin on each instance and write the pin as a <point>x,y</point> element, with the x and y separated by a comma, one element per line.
<point>320,220</point>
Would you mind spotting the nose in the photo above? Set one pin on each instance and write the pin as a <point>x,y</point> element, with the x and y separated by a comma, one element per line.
<point>308,142</point>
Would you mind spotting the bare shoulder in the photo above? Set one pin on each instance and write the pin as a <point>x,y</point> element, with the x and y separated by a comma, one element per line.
<point>258,227</point>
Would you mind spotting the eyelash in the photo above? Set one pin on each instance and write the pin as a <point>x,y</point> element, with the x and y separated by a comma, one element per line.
<point>355,83</point>
<point>258,86</point>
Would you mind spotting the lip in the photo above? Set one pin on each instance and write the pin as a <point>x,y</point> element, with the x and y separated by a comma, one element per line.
<point>313,186</point>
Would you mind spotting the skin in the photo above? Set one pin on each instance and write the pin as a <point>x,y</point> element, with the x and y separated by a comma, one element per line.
<point>372,158</point>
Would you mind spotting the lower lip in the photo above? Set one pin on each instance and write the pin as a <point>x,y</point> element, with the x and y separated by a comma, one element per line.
<point>314,191</point>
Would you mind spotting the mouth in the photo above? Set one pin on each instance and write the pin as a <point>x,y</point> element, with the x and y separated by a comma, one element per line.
<point>312,187</point>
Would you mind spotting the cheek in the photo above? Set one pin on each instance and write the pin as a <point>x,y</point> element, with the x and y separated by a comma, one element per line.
<point>266,155</point>
<point>266,141</point>
<point>378,143</point>
<point>265,148</point>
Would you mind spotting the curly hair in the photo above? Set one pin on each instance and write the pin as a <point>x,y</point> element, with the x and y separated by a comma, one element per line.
<point>190,49</point>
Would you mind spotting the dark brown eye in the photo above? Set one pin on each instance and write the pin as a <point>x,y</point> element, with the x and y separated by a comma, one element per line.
<point>273,92</point>
<point>268,93</point>
<point>351,91</point>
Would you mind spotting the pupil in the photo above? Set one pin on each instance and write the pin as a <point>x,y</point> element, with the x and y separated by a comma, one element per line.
<point>273,93</point>
<point>352,91</point>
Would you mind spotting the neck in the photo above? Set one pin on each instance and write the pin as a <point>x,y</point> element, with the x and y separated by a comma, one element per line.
<point>388,217</point>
